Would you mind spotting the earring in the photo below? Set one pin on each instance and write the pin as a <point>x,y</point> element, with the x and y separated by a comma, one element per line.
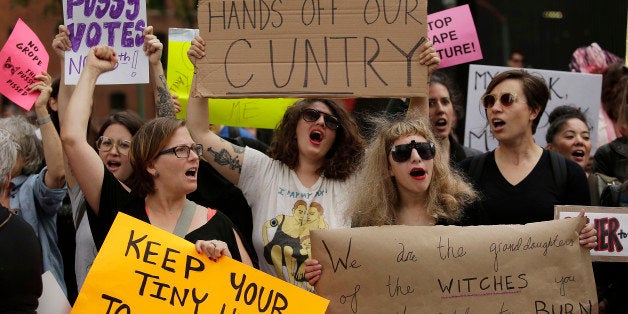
<point>156,175</point>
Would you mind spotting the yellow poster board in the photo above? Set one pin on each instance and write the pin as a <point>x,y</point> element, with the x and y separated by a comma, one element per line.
<point>262,113</point>
<point>143,269</point>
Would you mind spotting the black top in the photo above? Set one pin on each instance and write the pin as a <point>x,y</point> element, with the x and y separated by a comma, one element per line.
<point>531,200</point>
<point>612,159</point>
<point>20,265</point>
<point>114,198</point>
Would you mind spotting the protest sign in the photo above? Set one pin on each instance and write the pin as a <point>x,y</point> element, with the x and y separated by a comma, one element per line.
<point>245,112</point>
<point>566,88</point>
<point>118,24</point>
<point>338,49</point>
<point>143,269</point>
<point>23,57</point>
<point>454,37</point>
<point>533,268</point>
<point>609,223</point>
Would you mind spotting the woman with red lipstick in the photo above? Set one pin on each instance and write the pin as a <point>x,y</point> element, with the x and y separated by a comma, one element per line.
<point>516,180</point>
<point>568,134</point>
<point>405,179</point>
<point>164,162</point>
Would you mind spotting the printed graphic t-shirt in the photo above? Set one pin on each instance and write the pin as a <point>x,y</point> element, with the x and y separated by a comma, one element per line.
<point>284,212</point>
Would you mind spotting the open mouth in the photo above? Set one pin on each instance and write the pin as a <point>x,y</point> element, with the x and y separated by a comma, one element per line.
<point>113,164</point>
<point>578,153</point>
<point>191,173</point>
<point>440,123</point>
<point>316,137</point>
<point>418,173</point>
<point>498,123</point>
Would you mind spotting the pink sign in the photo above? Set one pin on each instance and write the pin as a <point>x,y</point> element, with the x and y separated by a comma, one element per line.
<point>23,57</point>
<point>453,33</point>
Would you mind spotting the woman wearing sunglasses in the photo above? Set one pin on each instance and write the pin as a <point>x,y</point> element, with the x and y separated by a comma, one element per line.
<point>164,161</point>
<point>516,179</point>
<point>405,180</point>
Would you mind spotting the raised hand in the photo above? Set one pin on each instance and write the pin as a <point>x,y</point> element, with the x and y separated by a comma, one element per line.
<point>61,43</point>
<point>153,47</point>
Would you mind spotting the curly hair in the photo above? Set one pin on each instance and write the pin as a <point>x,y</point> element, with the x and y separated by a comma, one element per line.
<point>376,197</point>
<point>612,89</point>
<point>342,158</point>
<point>534,88</point>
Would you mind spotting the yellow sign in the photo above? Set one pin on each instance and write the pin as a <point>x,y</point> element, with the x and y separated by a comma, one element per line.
<point>246,112</point>
<point>143,269</point>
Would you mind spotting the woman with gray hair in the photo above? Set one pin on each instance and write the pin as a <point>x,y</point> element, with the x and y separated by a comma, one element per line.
<point>38,193</point>
<point>21,262</point>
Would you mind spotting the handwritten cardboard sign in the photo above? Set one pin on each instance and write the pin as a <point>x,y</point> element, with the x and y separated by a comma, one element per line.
<point>454,37</point>
<point>338,49</point>
<point>118,24</point>
<point>23,57</point>
<point>566,88</point>
<point>245,112</point>
<point>533,268</point>
<point>143,269</point>
<point>609,223</point>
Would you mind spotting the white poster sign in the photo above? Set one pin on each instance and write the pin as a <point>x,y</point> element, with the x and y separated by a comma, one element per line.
<point>117,24</point>
<point>566,88</point>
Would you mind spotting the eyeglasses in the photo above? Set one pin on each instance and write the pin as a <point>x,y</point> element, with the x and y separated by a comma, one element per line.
<point>105,144</point>
<point>183,151</point>
<point>401,153</point>
<point>311,115</point>
<point>506,99</point>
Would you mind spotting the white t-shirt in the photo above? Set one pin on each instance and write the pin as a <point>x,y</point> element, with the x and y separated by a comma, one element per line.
<point>86,251</point>
<point>284,212</point>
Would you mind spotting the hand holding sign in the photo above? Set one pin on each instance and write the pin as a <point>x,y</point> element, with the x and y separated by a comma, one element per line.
<point>43,86</point>
<point>62,43</point>
<point>152,46</point>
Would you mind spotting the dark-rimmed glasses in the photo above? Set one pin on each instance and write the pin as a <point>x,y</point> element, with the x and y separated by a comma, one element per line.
<point>401,153</point>
<point>105,144</point>
<point>506,99</point>
<point>183,151</point>
<point>312,115</point>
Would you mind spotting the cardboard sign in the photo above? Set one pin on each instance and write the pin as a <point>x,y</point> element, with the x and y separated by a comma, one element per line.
<point>245,112</point>
<point>338,49</point>
<point>454,37</point>
<point>23,57</point>
<point>566,88</point>
<point>609,223</point>
<point>533,268</point>
<point>118,24</point>
<point>143,269</point>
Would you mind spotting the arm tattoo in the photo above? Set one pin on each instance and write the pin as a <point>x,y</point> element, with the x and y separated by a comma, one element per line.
<point>223,158</point>
<point>237,149</point>
<point>165,104</point>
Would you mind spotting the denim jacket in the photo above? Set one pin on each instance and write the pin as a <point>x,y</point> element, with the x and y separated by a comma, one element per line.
<point>38,205</point>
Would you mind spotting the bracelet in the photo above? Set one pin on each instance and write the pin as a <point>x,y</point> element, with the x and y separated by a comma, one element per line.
<point>44,120</point>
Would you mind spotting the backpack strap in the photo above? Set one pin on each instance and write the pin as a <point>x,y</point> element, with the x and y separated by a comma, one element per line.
<point>185,219</point>
<point>559,170</point>
<point>477,166</point>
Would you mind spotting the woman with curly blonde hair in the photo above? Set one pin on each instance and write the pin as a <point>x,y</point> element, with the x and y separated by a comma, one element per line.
<point>406,180</point>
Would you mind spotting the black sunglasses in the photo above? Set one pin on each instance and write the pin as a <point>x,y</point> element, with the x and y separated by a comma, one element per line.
<point>506,99</point>
<point>401,153</point>
<point>311,115</point>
